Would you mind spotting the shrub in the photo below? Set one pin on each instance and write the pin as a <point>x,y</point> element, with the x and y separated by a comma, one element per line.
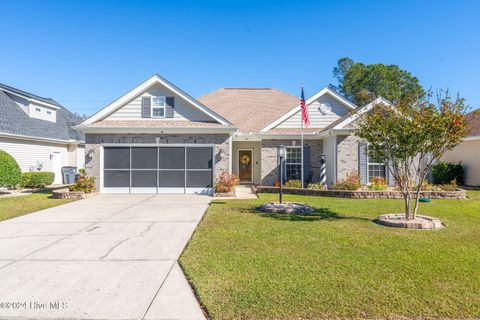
<point>293,184</point>
<point>84,183</point>
<point>445,172</point>
<point>226,182</point>
<point>351,182</point>
<point>452,186</point>
<point>378,183</point>
<point>316,186</point>
<point>10,172</point>
<point>36,179</point>
<point>426,186</point>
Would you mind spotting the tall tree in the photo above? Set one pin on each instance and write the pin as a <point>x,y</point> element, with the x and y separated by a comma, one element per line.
<point>363,83</point>
<point>411,137</point>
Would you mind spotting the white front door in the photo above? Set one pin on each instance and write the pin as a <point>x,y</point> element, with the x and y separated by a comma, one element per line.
<point>57,167</point>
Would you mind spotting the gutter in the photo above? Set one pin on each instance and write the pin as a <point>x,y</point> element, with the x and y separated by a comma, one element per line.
<point>40,139</point>
<point>89,129</point>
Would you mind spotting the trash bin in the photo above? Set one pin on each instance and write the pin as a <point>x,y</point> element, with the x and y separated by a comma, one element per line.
<point>69,174</point>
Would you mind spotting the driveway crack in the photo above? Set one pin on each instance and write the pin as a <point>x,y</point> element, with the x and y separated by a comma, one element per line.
<point>119,243</point>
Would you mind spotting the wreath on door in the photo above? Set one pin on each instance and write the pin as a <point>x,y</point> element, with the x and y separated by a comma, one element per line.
<point>245,160</point>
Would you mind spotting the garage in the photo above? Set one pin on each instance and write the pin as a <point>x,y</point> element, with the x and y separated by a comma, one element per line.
<point>158,169</point>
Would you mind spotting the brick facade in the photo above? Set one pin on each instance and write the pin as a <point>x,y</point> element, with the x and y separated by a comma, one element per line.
<point>93,144</point>
<point>269,167</point>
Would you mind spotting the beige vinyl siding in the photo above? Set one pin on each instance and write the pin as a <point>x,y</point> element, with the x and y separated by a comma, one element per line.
<point>27,153</point>
<point>329,147</point>
<point>317,118</point>
<point>468,153</point>
<point>183,110</point>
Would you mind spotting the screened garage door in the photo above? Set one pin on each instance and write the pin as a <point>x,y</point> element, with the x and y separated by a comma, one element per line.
<point>176,169</point>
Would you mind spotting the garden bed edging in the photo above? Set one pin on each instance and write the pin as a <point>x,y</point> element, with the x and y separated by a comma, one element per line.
<point>363,194</point>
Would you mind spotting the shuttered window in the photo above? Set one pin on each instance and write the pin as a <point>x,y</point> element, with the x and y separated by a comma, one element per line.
<point>158,107</point>
<point>293,163</point>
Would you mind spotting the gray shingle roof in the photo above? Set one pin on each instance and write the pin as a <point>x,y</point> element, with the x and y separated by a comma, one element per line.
<point>13,120</point>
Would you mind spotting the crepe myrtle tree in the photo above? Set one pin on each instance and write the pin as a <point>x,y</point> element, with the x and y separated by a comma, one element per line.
<point>412,136</point>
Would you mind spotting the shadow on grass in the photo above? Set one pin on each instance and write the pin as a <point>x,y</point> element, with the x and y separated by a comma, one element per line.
<point>324,214</point>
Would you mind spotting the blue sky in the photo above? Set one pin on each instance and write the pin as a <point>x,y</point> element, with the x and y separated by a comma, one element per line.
<point>87,53</point>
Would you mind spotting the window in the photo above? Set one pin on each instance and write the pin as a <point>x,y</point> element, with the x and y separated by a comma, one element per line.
<point>293,163</point>
<point>158,107</point>
<point>38,109</point>
<point>375,168</point>
<point>49,112</point>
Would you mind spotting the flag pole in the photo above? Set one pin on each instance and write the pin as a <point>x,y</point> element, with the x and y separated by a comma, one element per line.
<point>301,121</point>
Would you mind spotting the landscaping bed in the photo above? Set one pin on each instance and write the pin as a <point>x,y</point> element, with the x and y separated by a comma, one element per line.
<point>335,263</point>
<point>363,194</point>
<point>67,194</point>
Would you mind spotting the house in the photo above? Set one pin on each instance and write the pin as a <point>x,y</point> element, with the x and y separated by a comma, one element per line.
<point>468,152</point>
<point>38,132</point>
<point>157,138</point>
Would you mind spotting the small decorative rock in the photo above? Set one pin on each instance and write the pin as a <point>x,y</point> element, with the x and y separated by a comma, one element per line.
<point>397,220</point>
<point>286,207</point>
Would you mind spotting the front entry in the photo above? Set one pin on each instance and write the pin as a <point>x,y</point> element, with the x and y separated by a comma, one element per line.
<point>245,159</point>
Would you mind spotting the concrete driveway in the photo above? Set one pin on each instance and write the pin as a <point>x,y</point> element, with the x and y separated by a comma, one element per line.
<point>106,257</point>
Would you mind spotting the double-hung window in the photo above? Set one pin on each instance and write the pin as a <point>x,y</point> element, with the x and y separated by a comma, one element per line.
<point>375,168</point>
<point>293,163</point>
<point>158,107</point>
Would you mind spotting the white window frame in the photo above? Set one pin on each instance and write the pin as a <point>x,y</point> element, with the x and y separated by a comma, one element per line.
<point>164,107</point>
<point>292,163</point>
<point>374,164</point>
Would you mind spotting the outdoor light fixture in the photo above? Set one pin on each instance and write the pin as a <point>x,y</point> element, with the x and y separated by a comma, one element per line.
<point>281,154</point>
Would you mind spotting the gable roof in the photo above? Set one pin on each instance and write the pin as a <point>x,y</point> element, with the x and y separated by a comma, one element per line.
<point>155,79</point>
<point>313,98</point>
<point>14,121</point>
<point>49,102</point>
<point>473,119</point>
<point>250,109</point>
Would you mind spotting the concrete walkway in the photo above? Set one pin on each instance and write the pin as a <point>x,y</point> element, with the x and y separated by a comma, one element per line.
<point>106,257</point>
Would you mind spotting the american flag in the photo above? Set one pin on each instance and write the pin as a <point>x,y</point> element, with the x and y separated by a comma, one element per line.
<point>305,116</point>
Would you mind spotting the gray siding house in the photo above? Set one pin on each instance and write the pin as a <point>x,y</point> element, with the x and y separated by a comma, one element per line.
<point>158,139</point>
<point>38,132</point>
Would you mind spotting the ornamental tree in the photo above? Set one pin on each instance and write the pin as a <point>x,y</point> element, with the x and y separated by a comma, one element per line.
<point>410,137</point>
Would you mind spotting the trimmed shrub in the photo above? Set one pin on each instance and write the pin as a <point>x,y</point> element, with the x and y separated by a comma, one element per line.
<point>10,172</point>
<point>445,172</point>
<point>351,182</point>
<point>293,184</point>
<point>84,183</point>
<point>36,179</point>
<point>316,186</point>
<point>226,182</point>
<point>426,186</point>
<point>378,183</point>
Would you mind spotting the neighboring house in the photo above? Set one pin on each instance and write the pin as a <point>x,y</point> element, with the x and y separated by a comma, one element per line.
<point>157,138</point>
<point>38,132</point>
<point>468,152</point>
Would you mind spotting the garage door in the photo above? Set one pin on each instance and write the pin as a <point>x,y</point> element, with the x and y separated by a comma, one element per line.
<point>176,169</point>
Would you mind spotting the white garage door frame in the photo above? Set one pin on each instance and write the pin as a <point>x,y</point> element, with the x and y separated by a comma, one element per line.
<point>103,189</point>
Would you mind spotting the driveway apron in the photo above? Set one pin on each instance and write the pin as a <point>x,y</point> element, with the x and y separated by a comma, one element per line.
<point>106,257</point>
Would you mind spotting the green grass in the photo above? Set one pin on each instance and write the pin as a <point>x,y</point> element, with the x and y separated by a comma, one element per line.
<point>337,264</point>
<point>12,207</point>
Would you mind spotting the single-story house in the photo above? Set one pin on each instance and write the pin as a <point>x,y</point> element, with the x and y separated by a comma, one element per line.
<point>468,152</point>
<point>158,139</point>
<point>38,132</point>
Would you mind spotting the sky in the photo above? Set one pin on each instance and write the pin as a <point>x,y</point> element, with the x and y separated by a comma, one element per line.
<point>86,54</point>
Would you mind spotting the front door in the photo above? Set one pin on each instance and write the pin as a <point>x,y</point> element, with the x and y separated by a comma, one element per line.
<point>245,160</point>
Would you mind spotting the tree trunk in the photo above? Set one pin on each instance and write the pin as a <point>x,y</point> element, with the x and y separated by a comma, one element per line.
<point>406,197</point>
<point>417,202</point>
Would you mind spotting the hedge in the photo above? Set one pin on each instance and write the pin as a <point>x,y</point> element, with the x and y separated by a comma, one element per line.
<point>446,172</point>
<point>36,179</point>
<point>9,170</point>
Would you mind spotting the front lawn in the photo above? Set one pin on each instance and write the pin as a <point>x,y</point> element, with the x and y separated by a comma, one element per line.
<point>338,264</point>
<point>12,207</point>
